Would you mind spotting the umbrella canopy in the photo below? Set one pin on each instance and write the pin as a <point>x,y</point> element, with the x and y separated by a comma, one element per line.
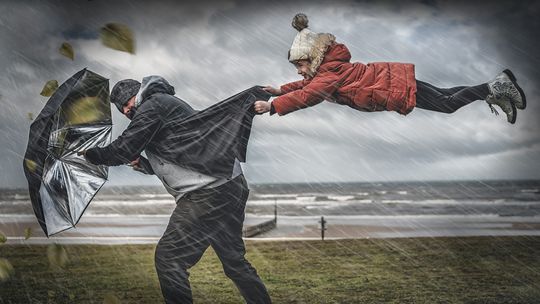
<point>61,183</point>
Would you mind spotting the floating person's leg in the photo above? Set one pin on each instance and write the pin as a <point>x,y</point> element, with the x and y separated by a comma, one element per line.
<point>430,97</point>
<point>501,91</point>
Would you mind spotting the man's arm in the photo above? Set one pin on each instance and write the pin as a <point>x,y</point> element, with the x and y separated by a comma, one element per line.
<point>128,146</point>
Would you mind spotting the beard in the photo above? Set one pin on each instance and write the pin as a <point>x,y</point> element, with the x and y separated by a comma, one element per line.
<point>131,113</point>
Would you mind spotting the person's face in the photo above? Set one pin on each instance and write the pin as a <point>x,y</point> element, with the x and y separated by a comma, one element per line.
<point>128,109</point>
<point>302,67</point>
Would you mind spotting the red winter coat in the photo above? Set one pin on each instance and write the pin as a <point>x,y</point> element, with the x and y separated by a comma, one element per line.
<point>378,86</point>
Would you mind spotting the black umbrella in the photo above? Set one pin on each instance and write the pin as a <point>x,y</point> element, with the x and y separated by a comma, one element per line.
<point>61,183</point>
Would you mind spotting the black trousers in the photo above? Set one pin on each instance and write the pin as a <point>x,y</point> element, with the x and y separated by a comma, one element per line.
<point>207,217</point>
<point>430,97</point>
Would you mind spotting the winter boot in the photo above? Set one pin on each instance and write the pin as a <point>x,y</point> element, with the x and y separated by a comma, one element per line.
<point>505,105</point>
<point>520,101</point>
<point>503,92</point>
<point>505,84</point>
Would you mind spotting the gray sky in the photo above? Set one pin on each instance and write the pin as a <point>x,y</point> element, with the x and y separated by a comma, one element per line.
<point>216,49</point>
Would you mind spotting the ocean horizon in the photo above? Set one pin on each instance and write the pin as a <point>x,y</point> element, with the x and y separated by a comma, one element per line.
<point>355,210</point>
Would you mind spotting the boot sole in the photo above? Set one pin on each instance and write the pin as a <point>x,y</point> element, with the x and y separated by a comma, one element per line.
<point>515,113</point>
<point>514,81</point>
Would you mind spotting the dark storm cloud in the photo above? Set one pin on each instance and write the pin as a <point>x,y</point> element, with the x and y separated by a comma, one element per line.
<point>211,50</point>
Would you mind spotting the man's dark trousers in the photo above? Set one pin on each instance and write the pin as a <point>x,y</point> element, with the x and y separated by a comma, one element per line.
<point>202,218</point>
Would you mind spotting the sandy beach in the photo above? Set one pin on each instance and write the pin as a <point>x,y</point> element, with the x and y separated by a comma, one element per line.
<point>142,229</point>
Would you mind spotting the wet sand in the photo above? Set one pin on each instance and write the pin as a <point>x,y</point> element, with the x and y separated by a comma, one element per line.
<point>141,229</point>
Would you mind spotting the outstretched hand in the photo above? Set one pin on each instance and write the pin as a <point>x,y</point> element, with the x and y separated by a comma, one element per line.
<point>135,164</point>
<point>83,154</point>
<point>272,90</point>
<point>261,106</point>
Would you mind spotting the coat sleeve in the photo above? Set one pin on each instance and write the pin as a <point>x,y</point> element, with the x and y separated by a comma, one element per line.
<point>293,86</point>
<point>314,92</point>
<point>128,146</point>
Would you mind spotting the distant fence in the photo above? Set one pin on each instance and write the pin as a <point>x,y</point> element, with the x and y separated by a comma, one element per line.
<point>254,230</point>
<point>251,231</point>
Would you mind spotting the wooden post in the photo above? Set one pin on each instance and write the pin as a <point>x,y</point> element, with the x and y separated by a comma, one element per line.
<point>323,227</point>
<point>275,210</point>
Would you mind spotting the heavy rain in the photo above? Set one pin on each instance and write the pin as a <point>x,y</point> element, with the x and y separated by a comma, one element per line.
<point>140,162</point>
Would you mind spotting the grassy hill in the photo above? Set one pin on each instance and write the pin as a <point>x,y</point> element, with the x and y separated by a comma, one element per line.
<point>419,270</point>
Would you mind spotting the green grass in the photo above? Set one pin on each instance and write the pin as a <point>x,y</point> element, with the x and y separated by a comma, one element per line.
<point>420,270</point>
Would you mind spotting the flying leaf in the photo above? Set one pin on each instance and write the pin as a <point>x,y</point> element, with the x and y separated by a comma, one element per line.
<point>6,270</point>
<point>110,299</point>
<point>67,50</point>
<point>27,233</point>
<point>57,256</point>
<point>85,110</point>
<point>3,238</point>
<point>30,164</point>
<point>49,88</point>
<point>118,37</point>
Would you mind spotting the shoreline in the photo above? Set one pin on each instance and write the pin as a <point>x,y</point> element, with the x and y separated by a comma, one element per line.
<point>147,229</point>
<point>110,241</point>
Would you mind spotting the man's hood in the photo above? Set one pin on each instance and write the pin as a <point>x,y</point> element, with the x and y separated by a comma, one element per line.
<point>151,85</point>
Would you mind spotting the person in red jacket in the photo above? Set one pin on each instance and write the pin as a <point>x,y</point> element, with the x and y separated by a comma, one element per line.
<point>379,86</point>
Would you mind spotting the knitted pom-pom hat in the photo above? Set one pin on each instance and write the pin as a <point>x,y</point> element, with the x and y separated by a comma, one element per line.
<point>308,45</point>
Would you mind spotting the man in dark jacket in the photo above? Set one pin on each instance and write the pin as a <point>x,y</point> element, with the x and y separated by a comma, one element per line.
<point>197,157</point>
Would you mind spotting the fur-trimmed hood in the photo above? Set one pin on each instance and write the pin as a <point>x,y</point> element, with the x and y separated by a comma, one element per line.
<point>319,50</point>
<point>308,45</point>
